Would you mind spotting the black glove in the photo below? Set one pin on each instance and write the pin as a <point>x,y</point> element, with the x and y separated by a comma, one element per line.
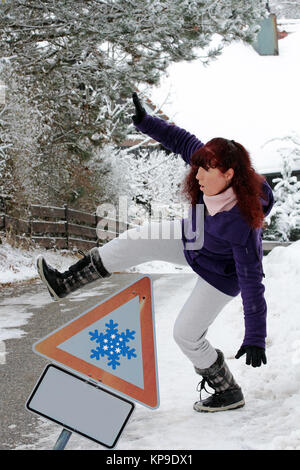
<point>139,110</point>
<point>254,355</point>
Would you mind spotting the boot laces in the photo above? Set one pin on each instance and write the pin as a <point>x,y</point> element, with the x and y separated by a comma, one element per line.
<point>201,386</point>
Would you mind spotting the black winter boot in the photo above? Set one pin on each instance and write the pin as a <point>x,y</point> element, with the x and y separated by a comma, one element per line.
<point>228,395</point>
<point>86,270</point>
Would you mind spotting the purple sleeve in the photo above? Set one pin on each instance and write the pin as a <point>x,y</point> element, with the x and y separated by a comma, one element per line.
<point>170,136</point>
<point>250,273</point>
<point>268,203</point>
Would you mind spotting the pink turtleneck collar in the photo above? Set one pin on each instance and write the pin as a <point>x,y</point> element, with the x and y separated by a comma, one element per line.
<point>220,202</point>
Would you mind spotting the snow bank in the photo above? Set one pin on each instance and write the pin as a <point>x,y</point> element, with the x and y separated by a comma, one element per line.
<point>270,419</point>
<point>241,96</point>
<point>17,264</point>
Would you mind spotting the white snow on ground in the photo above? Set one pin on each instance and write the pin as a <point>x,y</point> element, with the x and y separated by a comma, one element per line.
<point>270,419</point>
<point>19,265</point>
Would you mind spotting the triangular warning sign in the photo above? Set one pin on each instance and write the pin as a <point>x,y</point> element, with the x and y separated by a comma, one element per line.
<point>113,343</point>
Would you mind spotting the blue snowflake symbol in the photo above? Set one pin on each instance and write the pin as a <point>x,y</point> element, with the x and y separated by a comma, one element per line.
<point>112,344</point>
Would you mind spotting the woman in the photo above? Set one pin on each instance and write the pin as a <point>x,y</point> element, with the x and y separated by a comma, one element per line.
<point>236,200</point>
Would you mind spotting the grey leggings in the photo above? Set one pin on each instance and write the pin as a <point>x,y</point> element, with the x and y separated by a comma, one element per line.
<point>162,241</point>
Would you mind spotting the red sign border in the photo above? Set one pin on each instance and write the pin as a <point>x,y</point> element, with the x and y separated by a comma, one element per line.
<point>141,288</point>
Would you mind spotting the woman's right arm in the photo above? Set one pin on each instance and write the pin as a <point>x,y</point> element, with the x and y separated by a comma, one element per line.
<point>170,136</point>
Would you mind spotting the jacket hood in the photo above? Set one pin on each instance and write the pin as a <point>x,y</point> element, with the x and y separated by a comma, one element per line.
<point>268,202</point>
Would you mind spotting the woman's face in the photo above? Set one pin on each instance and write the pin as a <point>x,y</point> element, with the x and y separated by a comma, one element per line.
<point>212,181</point>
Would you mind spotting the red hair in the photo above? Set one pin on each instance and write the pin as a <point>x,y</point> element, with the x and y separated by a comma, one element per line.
<point>247,184</point>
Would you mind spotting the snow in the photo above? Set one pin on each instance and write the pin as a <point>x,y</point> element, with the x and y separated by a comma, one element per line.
<point>271,391</point>
<point>251,99</point>
<point>19,265</point>
<point>242,96</point>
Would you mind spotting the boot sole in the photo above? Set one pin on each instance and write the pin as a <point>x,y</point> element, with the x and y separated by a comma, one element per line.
<point>39,265</point>
<point>207,409</point>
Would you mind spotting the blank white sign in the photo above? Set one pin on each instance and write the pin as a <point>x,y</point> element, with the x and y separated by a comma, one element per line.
<point>80,406</point>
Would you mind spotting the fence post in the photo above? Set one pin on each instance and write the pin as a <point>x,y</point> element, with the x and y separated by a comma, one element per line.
<point>67,224</point>
<point>2,208</point>
<point>4,212</point>
<point>99,243</point>
<point>30,222</point>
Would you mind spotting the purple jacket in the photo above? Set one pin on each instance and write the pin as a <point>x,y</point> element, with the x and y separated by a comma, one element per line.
<point>231,256</point>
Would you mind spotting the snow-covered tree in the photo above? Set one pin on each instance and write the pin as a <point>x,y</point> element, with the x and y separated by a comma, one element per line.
<point>76,57</point>
<point>284,219</point>
<point>150,181</point>
<point>78,63</point>
<point>26,175</point>
<point>285,8</point>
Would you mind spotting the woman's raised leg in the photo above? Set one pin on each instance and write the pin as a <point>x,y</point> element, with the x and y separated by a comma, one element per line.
<point>151,241</point>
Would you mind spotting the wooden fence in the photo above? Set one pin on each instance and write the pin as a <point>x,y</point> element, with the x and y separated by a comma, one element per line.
<point>63,228</point>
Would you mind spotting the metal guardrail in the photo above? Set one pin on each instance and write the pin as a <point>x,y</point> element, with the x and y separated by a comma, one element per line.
<point>268,245</point>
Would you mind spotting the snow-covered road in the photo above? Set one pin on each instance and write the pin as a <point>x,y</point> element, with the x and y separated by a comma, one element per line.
<point>270,419</point>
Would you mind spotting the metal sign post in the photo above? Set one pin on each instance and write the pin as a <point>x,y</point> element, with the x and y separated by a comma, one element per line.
<point>62,440</point>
